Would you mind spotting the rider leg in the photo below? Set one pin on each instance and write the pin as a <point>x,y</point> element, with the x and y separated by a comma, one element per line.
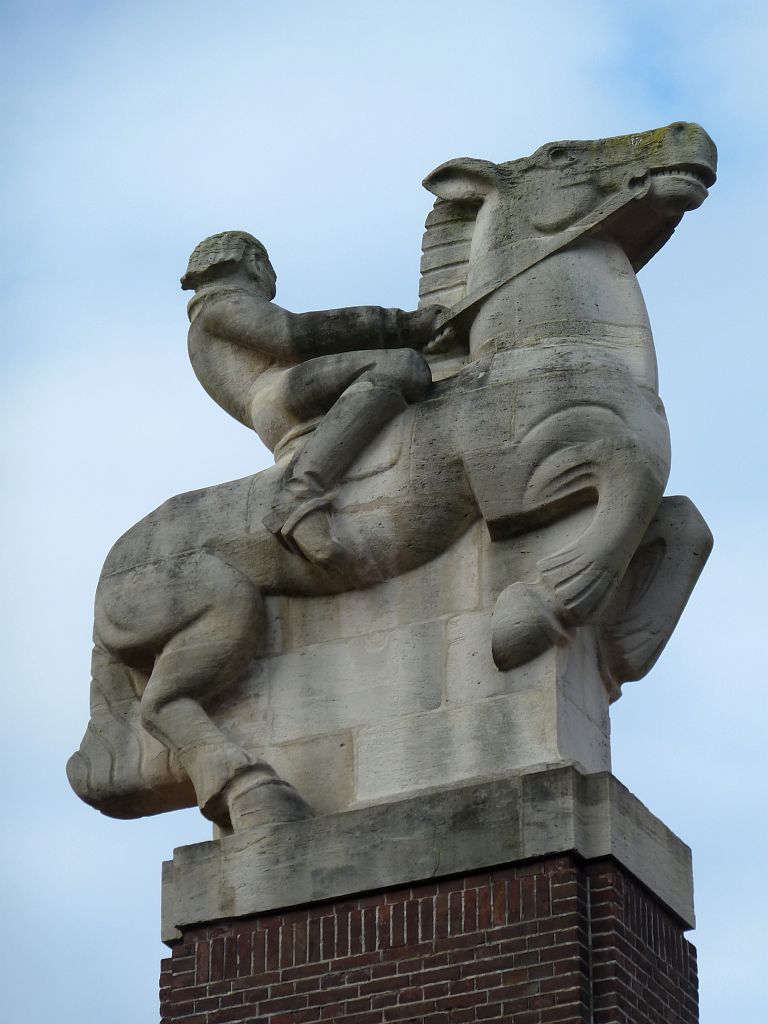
<point>358,393</point>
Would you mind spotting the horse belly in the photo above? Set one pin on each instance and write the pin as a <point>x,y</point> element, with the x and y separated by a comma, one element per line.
<point>406,499</point>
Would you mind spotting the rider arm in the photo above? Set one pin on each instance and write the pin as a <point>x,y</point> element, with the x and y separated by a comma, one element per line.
<point>283,335</point>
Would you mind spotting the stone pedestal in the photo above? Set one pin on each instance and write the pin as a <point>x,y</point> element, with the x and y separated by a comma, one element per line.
<point>546,896</point>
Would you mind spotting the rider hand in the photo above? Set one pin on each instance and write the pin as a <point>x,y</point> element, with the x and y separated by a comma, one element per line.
<point>424,324</point>
<point>445,340</point>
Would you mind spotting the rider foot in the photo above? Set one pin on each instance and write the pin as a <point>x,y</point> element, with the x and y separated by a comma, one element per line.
<point>253,801</point>
<point>314,537</point>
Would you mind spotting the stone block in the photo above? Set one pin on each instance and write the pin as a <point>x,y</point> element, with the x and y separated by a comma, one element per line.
<point>485,738</point>
<point>380,676</point>
<point>433,835</point>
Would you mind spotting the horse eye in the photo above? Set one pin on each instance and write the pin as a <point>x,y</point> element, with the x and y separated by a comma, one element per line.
<point>558,155</point>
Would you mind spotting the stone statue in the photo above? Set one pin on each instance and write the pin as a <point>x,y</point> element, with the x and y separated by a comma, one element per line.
<point>529,467</point>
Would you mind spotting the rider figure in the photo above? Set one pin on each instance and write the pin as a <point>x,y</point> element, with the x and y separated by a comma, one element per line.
<point>337,376</point>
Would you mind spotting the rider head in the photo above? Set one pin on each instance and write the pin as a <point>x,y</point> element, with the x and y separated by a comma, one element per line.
<point>232,256</point>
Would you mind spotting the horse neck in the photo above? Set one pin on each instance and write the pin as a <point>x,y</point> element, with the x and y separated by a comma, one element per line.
<point>586,293</point>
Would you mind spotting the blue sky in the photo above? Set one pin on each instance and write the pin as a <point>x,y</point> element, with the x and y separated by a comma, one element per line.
<point>134,130</point>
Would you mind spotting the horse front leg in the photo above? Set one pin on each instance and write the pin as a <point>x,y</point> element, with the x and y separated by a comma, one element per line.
<point>578,579</point>
<point>548,480</point>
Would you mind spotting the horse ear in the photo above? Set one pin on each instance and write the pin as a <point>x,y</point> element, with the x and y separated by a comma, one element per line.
<point>464,178</point>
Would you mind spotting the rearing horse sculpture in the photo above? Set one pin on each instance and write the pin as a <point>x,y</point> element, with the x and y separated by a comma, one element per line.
<point>555,409</point>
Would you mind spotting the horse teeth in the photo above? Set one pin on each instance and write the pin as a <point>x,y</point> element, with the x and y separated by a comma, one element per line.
<point>680,173</point>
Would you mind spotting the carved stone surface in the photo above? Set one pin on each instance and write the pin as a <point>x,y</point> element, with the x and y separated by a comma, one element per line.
<point>441,833</point>
<point>439,580</point>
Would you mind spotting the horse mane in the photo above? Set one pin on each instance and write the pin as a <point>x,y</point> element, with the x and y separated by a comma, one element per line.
<point>445,252</point>
<point>444,264</point>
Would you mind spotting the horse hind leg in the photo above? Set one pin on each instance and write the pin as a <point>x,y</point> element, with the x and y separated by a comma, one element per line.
<point>171,635</point>
<point>641,617</point>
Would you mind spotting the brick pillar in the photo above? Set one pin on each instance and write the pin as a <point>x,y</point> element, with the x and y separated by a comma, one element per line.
<point>553,940</point>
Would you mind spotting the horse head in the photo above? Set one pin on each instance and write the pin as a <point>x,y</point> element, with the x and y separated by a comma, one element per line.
<point>492,222</point>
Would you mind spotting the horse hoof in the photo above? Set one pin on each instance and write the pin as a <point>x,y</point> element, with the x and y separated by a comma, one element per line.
<point>258,801</point>
<point>524,626</point>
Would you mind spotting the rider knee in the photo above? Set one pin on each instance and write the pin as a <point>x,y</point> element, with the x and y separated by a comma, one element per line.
<point>412,374</point>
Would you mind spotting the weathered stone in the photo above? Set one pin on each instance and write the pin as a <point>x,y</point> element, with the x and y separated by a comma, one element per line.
<point>436,834</point>
<point>447,579</point>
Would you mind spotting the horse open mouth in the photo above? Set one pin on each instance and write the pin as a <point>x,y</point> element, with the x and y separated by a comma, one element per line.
<point>698,173</point>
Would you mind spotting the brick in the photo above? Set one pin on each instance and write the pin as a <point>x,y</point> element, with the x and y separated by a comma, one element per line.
<point>182,1008</point>
<point>357,1005</point>
<point>355,932</point>
<point>384,926</point>
<point>209,1003</point>
<point>331,995</point>
<point>499,901</point>
<point>436,989</point>
<point>184,979</point>
<point>342,931</point>
<point>328,937</point>
<point>456,912</point>
<point>449,885</point>
<point>528,897</point>
<point>398,895</point>
<point>484,906</point>
<point>233,999</point>
<point>348,963</point>
<point>369,929</point>
<point>441,915</point>
<point>455,1002</point>
<point>231,1015</point>
<point>426,918</point>
<point>488,1012</point>
<point>230,956</point>
<point>312,970</point>
<point>411,910</point>
<point>383,970</point>
<point>510,944</point>
<point>272,948</point>
<point>219,988</point>
<point>312,1013</point>
<point>382,1000</point>
<point>398,924</point>
<point>408,1012</point>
